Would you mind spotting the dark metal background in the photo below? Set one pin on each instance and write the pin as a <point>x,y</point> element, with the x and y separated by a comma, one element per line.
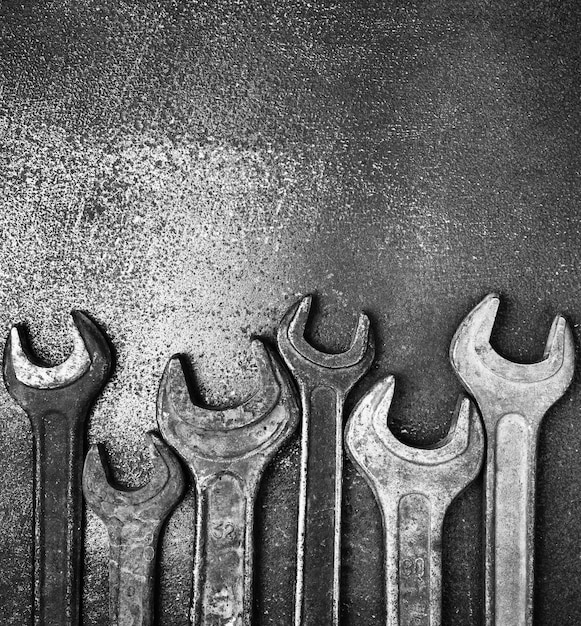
<point>183,170</point>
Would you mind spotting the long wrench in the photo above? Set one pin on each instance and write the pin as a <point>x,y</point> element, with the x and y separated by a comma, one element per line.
<point>513,399</point>
<point>414,487</point>
<point>57,401</point>
<point>133,519</point>
<point>324,381</point>
<point>227,451</point>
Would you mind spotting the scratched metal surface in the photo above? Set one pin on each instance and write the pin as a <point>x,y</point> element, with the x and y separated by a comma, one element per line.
<point>184,170</point>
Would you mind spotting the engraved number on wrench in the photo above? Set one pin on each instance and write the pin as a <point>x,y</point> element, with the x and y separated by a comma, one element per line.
<point>227,451</point>
<point>414,487</point>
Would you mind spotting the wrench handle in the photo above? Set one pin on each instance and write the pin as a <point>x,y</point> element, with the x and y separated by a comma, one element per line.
<point>510,517</point>
<point>131,574</point>
<point>319,526</point>
<point>58,443</point>
<point>413,561</point>
<point>224,551</point>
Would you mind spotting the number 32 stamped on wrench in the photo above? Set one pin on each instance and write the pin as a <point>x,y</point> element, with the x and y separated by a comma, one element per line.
<point>227,451</point>
<point>414,487</point>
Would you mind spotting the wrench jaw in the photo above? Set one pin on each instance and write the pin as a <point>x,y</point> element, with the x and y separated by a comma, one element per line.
<point>561,346</point>
<point>267,395</point>
<point>368,420</point>
<point>257,426</point>
<point>97,479</point>
<point>162,492</point>
<point>467,441</point>
<point>367,429</point>
<point>298,352</point>
<point>373,447</point>
<point>85,370</point>
<point>472,339</point>
<point>489,376</point>
<point>175,392</point>
<point>97,346</point>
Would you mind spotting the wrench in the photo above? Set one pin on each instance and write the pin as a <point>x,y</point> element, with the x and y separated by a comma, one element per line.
<point>133,519</point>
<point>227,451</point>
<point>57,401</point>
<point>414,487</point>
<point>324,381</point>
<point>513,399</point>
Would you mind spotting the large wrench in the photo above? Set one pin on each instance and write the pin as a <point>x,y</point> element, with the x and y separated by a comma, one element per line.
<point>324,381</point>
<point>513,399</point>
<point>133,519</point>
<point>414,487</point>
<point>227,451</point>
<point>57,401</point>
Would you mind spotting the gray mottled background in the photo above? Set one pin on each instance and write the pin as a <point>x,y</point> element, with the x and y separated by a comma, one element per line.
<point>183,170</point>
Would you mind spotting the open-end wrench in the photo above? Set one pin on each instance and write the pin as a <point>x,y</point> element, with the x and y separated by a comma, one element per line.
<point>57,401</point>
<point>227,450</point>
<point>414,487</point>
<point>324,381</point>
<point>513,399</point>
<point>133,519</point>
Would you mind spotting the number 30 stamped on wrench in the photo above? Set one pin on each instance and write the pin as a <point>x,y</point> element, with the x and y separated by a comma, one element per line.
<point>414,487</point>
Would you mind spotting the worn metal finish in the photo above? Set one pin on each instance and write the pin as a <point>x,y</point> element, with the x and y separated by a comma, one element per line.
<point>133,518</point>
<point>227,451</point>
<point>186,170</point>
<point>324,381</point>
<point>513,398</point>
<point>57,401</point>
<point>414,488</point>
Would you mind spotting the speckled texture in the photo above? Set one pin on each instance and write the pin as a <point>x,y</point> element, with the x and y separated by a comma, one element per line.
<point>183,170</point>
<point>133,519</point>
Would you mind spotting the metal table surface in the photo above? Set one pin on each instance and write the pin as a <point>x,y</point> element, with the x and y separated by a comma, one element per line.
<point>184,170</point>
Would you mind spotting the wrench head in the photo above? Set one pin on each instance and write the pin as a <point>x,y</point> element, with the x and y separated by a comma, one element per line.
<point>258,424</point>
<point>482,369</point>
<point>302,357</point>
<point>90,361</point>
<point>154,500</point>
<point>454,461</point>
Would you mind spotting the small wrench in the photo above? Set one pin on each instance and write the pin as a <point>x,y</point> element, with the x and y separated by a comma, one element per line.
<point>513,399</point>
<point>414,487</point>
<point>133,519</point>
<point>227,451</point>
<point>57,401</point>
<point>324,381</point>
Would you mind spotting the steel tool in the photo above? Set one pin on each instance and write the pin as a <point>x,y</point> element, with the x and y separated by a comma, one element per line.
<point>133,519</point>
<point>513,399</point>
<point>324,381</point>
<point>57,401</point>
<point>227,450</point>
<point>414,487</point>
